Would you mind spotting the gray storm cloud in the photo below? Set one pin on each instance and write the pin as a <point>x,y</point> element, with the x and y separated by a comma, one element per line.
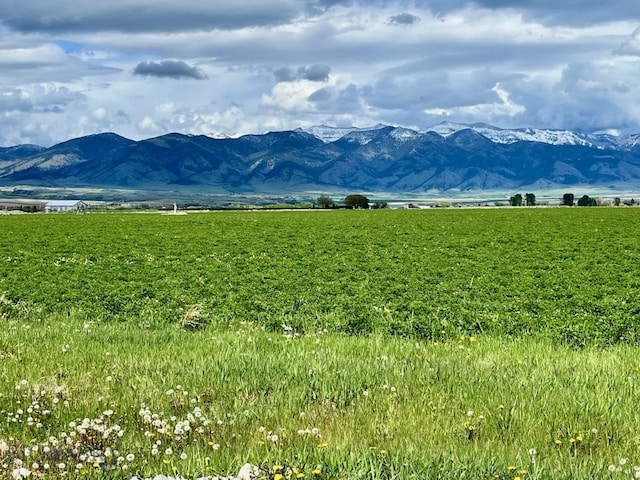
<point>404,19</point>
<point>68,16</point>
<point>169,69</point>
<point>313,73</point>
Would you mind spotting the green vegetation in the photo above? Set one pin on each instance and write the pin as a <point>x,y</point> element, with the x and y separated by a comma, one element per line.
<point>587,201</point>
<point>530,199</point>
<point>569,275</point>
<point>324,201</point>
<point>340,344</point>
<point>356,201</point>
<point>516,200</point>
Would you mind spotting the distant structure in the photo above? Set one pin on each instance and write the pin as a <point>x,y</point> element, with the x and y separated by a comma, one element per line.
<point>76,206</point>
<point>175,211</point>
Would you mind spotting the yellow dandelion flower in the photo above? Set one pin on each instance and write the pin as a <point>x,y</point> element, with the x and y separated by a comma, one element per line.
<point>516,478</point>
<point>278,476</point>
<point>383,452</point>
<point>579,438</point>
<point>323,445</point>
<point>472,339</point>
<point>511,468</point>
<point>277,467</point>
<point>316,471</point>
<point>300,475</point>
<point>558,441</point>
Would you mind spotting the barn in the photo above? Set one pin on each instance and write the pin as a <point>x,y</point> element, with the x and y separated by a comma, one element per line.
<point>76,206</point>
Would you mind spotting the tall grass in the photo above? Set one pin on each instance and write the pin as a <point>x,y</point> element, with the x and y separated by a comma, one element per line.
<point>344,407</point>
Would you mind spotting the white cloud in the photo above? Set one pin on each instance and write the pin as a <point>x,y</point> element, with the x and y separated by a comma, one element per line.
<point>631,46</point>
<point>291,96</point>
<point>66,67</point>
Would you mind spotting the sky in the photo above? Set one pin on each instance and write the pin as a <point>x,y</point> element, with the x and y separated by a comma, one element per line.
<point>143,68</point>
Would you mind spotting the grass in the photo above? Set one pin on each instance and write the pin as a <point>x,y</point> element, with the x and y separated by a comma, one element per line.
<point>368,407</point>
<point>457,367</point>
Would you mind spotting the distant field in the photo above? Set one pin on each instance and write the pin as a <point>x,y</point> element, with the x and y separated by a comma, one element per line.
<point>480,344</point>
<point>571,274</point>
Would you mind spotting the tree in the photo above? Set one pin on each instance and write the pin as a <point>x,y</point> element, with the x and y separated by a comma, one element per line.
<point>617,201</point>
<point>356,201</point>
<point>324,201</point>
<point>380,205</point>
<point>567,199</point>
<point>530,199</point>
<point>516,200</point>
<point>587,201</point>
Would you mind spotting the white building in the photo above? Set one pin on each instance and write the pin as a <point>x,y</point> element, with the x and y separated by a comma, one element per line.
<point>66,206</point>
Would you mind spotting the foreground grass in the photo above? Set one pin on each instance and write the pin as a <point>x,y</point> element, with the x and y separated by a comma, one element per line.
<point>93,400</point>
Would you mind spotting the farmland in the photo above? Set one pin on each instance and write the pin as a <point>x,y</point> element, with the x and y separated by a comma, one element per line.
<point>496,343</point>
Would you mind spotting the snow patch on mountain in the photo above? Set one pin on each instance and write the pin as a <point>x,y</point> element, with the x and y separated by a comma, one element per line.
<point>220,135</point>
<point>506,136</point>
<point>630,141</point>
<point>331,134</point>
<point>404,134</point>
<point>497,135</point>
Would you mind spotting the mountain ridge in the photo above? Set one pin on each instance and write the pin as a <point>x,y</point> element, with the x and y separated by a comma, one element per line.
<point>447,157</point>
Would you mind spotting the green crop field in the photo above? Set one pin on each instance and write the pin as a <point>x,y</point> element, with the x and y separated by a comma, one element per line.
<point>471,343</point>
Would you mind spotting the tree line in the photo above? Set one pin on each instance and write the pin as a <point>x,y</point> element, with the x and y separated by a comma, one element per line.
<point>350,201</point>
<point>568,199</point>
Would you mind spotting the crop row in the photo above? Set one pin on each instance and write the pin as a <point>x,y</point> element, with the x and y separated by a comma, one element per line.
<point>567,273</point>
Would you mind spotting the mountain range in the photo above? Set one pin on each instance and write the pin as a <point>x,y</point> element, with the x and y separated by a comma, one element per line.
<point>447,157</point>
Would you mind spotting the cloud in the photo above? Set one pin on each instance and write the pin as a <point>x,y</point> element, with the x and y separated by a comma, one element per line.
<point>37,113</point>
<point>552,12</point>
<point>39,62</point>
<point>287,63</point>
<point>338,99</point>
<point>631,46</point>
<point>404,19</point>
<point>169,69</point>
<point>313,73</point>
<point>46,97</point>
<point>285,74</point>
<point>68,16</point>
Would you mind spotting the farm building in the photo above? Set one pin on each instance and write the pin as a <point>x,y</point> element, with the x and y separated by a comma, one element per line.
<point>66,206</point>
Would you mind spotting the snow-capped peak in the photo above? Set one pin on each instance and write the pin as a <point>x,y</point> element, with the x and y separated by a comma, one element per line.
<point>363,135</point>
<point>404,134</point>
<point>506,136</point>
<point>447,128</point>
<point>331,134</point>
<point>218,135</point>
